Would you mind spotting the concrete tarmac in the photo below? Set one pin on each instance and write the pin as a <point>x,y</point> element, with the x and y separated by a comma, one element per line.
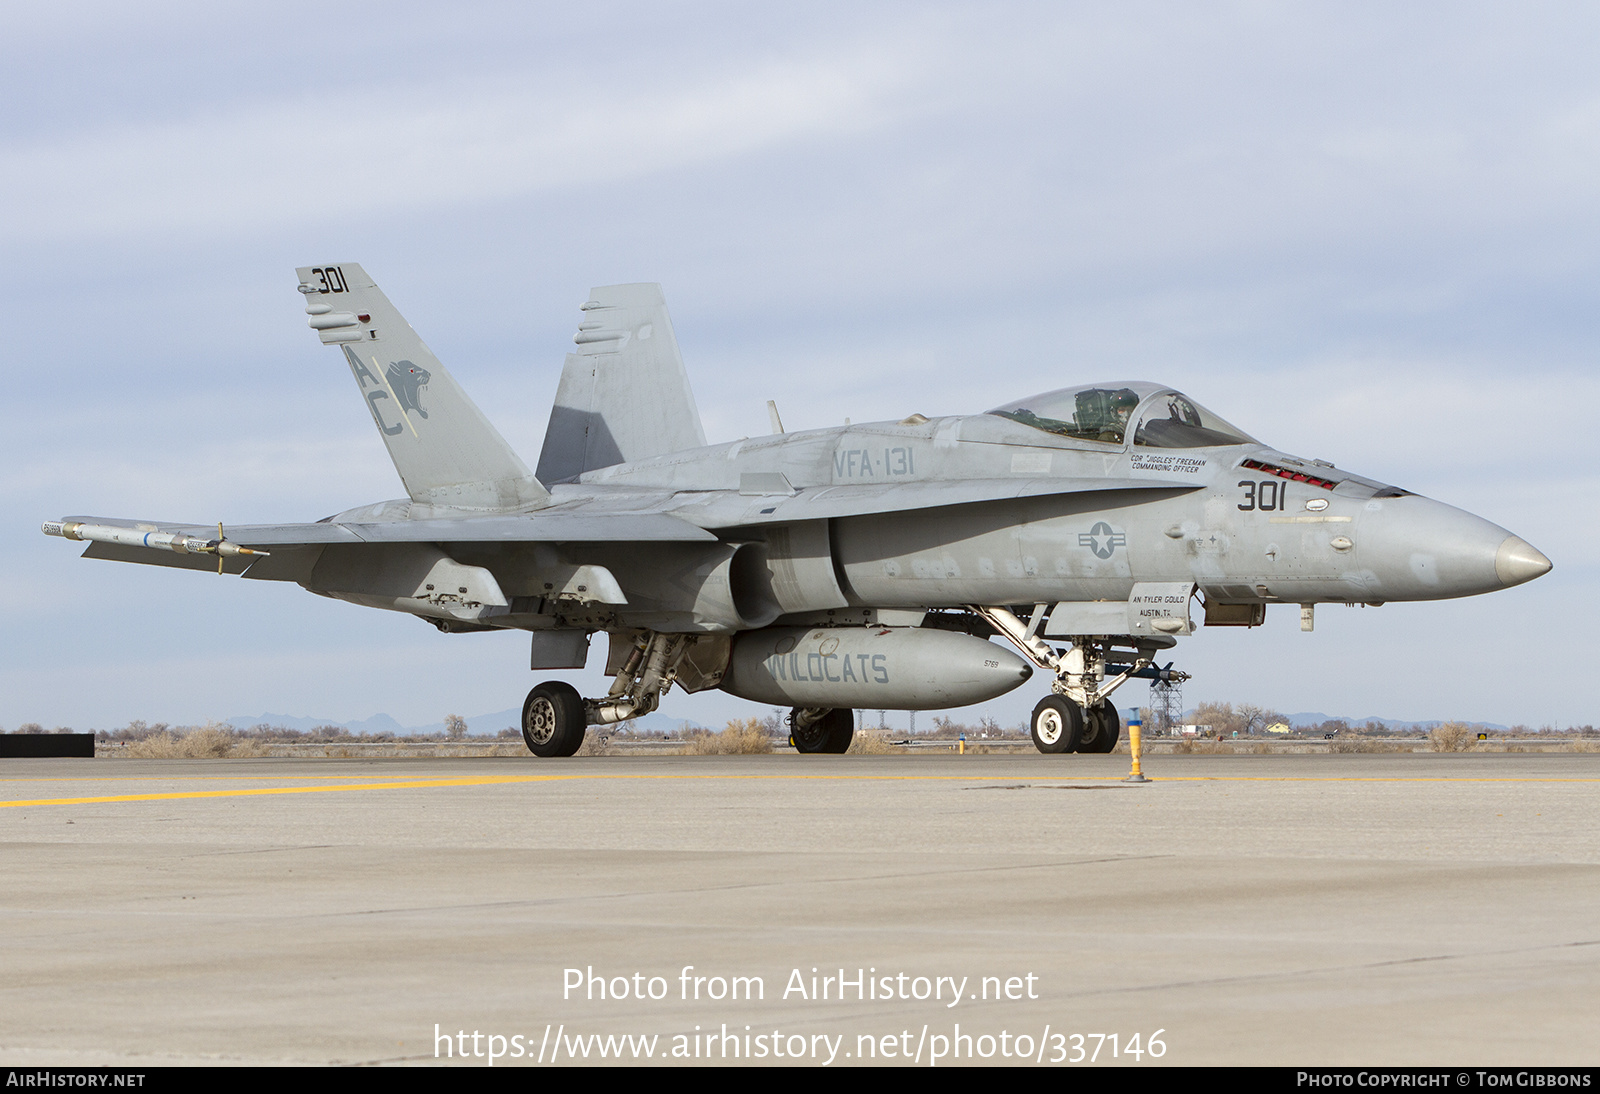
<point>1294,910</point>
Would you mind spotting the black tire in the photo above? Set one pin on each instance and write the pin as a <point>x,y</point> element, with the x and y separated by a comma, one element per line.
<point>841,725</point>
<point>1057,725</point>
<point>552,720</point>
<point>1089,739</point>
<point>1108,729</point>
<point>807,737</point>
<point>829,734</point>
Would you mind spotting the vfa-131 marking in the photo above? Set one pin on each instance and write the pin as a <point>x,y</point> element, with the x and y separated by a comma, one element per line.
<point>852,464</point>
<point>872,565</point>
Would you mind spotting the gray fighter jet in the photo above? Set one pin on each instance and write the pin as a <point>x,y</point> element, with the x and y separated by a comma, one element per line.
<point>861,566</point>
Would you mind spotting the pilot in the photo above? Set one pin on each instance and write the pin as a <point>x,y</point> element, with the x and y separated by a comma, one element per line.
<point>1123,404</point>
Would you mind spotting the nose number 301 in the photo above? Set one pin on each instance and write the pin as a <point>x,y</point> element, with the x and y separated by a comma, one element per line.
<point>1267,496</point>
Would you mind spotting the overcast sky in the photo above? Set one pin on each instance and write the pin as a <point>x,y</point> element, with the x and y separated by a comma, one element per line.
<point>1362,232</point>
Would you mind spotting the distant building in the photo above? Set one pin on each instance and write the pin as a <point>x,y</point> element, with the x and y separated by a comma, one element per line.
<point>1277,727</point>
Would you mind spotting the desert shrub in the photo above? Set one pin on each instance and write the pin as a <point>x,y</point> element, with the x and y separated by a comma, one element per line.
<point>1450,737</point>
<point>740,738</point>
<point>210,742</point>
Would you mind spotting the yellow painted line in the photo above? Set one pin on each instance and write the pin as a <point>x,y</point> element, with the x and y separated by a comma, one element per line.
<point>258,791</point>
<point>413,784</point>
<point>182,778</point>
<point>1372,779</point>
<point>479,780</point>
<point>466,780</point>
<point>492,780</point>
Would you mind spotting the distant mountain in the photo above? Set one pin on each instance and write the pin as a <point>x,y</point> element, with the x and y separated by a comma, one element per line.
<point>488,725</point>
<point>483,725</point>
<point>378,723</point>
<point>1316,717</point>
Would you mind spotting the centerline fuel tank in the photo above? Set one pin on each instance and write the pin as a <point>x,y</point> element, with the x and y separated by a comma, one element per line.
<point>897,668</point>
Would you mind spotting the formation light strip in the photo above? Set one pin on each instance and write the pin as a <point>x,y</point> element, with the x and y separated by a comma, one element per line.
<point>1285,473</point>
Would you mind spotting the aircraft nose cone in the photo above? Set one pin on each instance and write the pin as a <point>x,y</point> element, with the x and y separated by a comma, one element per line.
<point>1517,561</point>
<point>1415,548</point>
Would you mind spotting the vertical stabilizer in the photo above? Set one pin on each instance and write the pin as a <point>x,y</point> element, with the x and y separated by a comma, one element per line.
<point>624,395</point>
<point>445,450</point>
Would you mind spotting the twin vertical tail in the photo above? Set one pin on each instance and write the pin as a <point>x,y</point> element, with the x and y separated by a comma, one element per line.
<point>446,451</point>
<point>624,395</point>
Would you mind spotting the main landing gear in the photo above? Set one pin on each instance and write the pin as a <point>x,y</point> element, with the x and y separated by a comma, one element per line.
<point>555,717</point>
<point>1079,716</point>
<point>814,729</point>
<point>552,720</point>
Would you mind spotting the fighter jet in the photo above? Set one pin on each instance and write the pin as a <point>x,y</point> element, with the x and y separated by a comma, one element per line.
<point>862,566</point>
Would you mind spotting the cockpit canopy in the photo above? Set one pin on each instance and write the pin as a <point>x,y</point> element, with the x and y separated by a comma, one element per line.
<point>1162,418</point>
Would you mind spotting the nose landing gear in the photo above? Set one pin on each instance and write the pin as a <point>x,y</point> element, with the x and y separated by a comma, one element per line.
<point>1057,725</point>
<point>1079,716</point>
<point>1060,725</point>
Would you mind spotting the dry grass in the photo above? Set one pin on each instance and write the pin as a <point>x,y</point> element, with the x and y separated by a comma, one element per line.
<point>750,736</point>
<point>1357,744</point>
<point>208,743</point>
<point>741,738</point>
<point>596,742</point>
<point>1200,747</point>
<point>873,743</point>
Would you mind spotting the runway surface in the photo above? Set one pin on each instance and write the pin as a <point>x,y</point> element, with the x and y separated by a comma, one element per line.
<point>1301,910</point>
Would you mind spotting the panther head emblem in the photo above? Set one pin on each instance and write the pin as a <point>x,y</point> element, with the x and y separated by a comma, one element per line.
<point>407,381</point>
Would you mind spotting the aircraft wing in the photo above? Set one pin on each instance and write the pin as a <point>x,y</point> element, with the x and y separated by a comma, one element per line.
<point>540,527</point>
<point>865,499</point>
<point>124,540</point>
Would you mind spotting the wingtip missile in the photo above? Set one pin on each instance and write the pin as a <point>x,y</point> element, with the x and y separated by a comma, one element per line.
<point>177,542</point>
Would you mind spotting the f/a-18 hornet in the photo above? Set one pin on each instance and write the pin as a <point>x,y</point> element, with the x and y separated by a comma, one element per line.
<point>865,565</point>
